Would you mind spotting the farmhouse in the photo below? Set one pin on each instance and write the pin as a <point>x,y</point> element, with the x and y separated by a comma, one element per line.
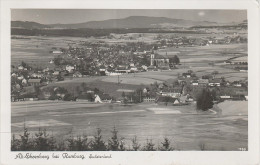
<point>186,75</point>
<point>77,74</point>
<point>56,73</point>
<point>20,67</point>
<point>225,97</point>
<point>148,99</point>
<point>203,82</point>
<point>194,82</point>
<point>102,98</point>
<point>24,81</point>
<point>122,69</point>
<point>174,93</point>
<point>69,68</point>
<point>166,99</point>
<point>34,82</point>
<point>57,52</point>
<point>215,82</point>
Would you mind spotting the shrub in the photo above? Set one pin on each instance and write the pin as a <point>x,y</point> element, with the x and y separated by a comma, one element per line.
<point>53,97</point>
<point>42,142</point>
<point>122,145</point>
<point>136,146</point>
<point>78,144</point>
<point>166,145</point>
<point>202,146</point>
<point>25,143</point>
<point>15,144</point>
<point>98,144</point>
<point>113,143</point>
<point>149,146</point>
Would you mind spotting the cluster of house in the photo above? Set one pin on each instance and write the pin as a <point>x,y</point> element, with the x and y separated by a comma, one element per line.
<point>179,95</point>
<point>205,41</point>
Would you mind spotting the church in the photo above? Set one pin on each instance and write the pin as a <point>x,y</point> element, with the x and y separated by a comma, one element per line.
<point>159,61</point>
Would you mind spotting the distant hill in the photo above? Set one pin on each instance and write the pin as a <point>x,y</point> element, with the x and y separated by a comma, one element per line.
<point>129,22</point>
<point>135,22</point>
<point>28,25</point>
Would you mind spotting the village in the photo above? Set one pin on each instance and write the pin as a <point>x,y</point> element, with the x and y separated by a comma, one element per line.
<point>99,59</point>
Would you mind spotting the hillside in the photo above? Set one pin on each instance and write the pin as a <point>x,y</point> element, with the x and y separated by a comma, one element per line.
<point>129,22</point>
<point>28,25</point>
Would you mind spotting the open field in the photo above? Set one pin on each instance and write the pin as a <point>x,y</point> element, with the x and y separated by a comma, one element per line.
<point>109,84</point>
<point>35,49</point>
<point>206,54</point>
<point>182,125</point>
<point>96,82</point>
<point>231,108</point>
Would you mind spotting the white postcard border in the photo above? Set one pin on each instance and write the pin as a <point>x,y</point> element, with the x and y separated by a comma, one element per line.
<point>139,157</point>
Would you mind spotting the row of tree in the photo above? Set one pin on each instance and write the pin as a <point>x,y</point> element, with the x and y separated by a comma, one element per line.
<point>41,141</point>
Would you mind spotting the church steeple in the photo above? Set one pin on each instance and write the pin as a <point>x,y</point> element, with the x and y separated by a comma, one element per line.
<point>152,59</point>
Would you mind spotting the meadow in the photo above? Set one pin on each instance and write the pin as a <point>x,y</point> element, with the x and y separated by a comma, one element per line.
<point>185,128</point>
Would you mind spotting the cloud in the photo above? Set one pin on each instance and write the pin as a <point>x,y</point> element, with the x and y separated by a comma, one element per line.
<point>202,13</point>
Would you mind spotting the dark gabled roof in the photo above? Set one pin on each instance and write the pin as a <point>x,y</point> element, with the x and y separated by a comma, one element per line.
<point>158,56</point>
<point>217,80</point>
<point>201,81</point>
<point>122,68</point>
<point>104,96</point>
<point>151,67</point>
<point>185,74</point>
<point>174,90</point>
<point>166,99</point>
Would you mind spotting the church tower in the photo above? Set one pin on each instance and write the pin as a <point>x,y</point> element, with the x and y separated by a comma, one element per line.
<point>152,59</point>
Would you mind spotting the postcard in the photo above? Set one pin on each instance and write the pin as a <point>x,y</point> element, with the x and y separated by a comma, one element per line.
<point>129,82</point>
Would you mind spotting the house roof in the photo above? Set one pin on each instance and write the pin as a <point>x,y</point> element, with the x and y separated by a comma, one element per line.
<point>126,90</point>
<point>158,56</point>
<point>34,80</point>
<point>201,81</point>
<point>166,99</point>
<point>174,90</point>
<point>104,96</point>
<point>217,80</point>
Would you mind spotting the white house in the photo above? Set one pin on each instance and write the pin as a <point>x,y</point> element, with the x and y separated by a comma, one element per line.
<point>46,69</point>
<point>24,81</point>
<point>77,74</point>
<point>144,67</point>
<point>225,97</point>
<point>57,52</point>
<point>195,83</point>
<point>176,102</point>
<point>134,69</point>
<point>237,85</point>
<point>13,74</point>
<point>69,68</point>
<point>97,99</point>
<point>20,77</point>
<point>215,82</point>
<point>20,67</point>
<point>56,73</point>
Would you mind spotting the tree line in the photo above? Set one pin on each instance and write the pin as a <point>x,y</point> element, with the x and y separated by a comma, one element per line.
<point>42,141</point>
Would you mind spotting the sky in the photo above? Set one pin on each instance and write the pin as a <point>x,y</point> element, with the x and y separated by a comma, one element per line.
<point>65,16</point>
